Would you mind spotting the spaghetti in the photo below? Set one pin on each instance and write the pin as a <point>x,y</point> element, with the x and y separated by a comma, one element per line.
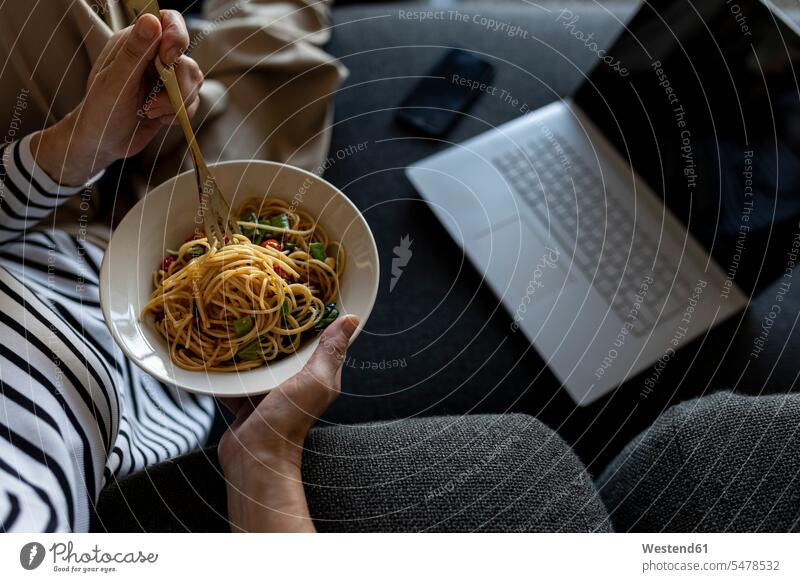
<point>253,300</point>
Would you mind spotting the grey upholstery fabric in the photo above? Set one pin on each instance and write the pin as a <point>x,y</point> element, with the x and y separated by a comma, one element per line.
<point>720,463</point>
<point>185,494</point>
<point>474,473</point>
<point>440,320</point>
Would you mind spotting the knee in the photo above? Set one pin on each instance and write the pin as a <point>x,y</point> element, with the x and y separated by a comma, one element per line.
<point>487,472</point>
<point>716,463</point>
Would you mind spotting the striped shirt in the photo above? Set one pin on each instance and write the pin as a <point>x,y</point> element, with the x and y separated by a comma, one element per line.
<point>75,414</point>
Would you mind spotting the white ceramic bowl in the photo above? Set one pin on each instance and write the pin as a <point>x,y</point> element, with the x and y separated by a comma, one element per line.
<point>164,219</point>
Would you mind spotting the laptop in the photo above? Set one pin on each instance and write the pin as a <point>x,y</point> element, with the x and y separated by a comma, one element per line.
<point>620,224</point>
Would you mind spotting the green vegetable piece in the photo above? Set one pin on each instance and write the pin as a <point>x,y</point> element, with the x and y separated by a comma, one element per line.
<point>286,308</point>
<point>280,221</point>
<point>196,251</point>
<point>317,251</point>
<point>243,325</point>
<point>330,315</point>
<point>289,247</point>
<point>254,234</point>
<point>249,217</point>
<point>251,351</point>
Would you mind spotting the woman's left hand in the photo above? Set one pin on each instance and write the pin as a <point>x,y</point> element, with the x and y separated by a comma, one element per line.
<point>261,453</point>
<point>125,104</point>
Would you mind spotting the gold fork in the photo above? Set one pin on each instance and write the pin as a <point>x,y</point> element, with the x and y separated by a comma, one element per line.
<point>216,213</point>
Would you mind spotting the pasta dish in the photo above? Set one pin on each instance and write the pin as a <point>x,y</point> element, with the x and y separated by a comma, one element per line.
<point>257,298</point>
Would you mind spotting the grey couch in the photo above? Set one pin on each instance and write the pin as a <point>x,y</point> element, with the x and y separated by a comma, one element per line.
<point>708,464</point>
<point>460,356</point>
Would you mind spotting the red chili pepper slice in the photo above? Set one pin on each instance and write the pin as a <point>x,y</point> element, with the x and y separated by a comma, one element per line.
<point>167,261</point>
<point>271,242</point>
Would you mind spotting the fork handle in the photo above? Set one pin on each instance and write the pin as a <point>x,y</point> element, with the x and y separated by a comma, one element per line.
<point>173,88</point>
<point>170,79</point>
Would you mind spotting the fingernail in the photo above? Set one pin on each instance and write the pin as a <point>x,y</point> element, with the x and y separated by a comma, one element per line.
<point>351,324</point>
<point>172,55</point>
<point>144,30</point>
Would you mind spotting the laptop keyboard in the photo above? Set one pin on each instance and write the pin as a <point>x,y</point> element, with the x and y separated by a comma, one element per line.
<point>568,197</point>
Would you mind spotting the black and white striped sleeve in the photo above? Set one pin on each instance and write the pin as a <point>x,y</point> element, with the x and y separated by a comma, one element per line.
<point>58,410</point>
<point>27,193</point>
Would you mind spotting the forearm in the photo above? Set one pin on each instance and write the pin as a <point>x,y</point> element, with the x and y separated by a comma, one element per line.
<point>27,192</point>
<point>265,494</point>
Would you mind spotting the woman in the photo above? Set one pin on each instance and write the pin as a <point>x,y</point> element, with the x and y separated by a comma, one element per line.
<point>74,413</point>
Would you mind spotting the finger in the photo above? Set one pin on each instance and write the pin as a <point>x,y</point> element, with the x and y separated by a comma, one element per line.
<point>106,56</point>
<point>291,408</point>
<point>161,105</point>
<point>174,37</point>
<point>138,49</point>
<point>111,49</point>
<point>169,117</point>
<point>327,359</point>
<point>190,80</point>
<point>172,118</point>
<point>190,77</point>
<point>193,106</point>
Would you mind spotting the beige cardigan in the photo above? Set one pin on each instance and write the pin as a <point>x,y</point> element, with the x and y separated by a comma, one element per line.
<point>268,90</point>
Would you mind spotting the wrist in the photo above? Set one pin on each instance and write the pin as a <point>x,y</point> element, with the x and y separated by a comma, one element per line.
<point>66,154</point>
<point>265,493</point>
<point>240,458</point>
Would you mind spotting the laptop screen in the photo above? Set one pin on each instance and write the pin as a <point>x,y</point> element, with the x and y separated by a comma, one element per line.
<point>701,97</point>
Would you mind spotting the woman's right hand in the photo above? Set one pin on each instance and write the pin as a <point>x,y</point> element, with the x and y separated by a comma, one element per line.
<point>125,105</point>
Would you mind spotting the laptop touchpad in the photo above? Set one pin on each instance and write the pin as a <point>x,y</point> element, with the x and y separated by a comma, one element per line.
<point>518,264</point>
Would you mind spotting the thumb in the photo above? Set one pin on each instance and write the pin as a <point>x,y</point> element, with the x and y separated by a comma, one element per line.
<point>327,359</point>
<point>138,48</point>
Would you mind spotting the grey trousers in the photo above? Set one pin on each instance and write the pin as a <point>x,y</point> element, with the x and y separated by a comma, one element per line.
<point>719,463</point>
<point>465,473</point>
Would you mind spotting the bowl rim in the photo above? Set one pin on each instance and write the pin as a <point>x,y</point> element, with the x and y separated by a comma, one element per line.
<point>104,291</point>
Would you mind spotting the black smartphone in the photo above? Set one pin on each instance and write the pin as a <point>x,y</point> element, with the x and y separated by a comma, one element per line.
<point>436,102</point>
